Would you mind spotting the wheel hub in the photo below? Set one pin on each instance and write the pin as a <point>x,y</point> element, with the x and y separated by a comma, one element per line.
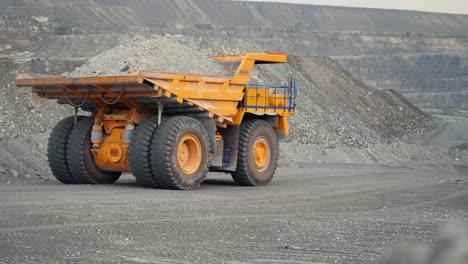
<point>114,152</point>
<point>261,153</point>
<point>189,154</point>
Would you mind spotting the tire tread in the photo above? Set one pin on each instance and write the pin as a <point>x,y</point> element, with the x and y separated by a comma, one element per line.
<point>57,150</point>
<point>140,148</point>
<point>161,153</point>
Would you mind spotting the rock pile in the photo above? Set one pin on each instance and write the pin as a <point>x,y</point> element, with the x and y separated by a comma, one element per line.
<point>160,53</point>
<point>386,113</point>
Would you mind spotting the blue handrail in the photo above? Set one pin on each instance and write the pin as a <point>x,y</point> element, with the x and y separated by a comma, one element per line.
<point>289,92</point>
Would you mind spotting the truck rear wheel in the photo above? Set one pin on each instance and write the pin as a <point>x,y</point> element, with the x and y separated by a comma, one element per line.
<point>57,150</point>
<point>139,156</point>
<point>180,153</point>
<point>257,154</point>
<point>81,160</point>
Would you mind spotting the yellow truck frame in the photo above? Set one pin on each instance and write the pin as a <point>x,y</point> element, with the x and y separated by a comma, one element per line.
<point>169,129</point>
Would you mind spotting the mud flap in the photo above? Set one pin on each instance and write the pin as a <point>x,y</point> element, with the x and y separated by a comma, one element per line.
<point>225,158</point>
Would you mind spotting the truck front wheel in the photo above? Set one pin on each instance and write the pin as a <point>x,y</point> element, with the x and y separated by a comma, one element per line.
<point>257,154</point>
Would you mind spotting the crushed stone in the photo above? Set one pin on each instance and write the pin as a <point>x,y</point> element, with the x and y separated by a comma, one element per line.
<point>160,53</point>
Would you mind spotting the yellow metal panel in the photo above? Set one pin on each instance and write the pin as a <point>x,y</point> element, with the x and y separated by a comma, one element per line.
<point>242,79</point>
<point>279,112</point>
<point>35,80</point>
<point>262,98</point>
<point>188,77</point>
<point>202,90</point>
<point>259,57</point>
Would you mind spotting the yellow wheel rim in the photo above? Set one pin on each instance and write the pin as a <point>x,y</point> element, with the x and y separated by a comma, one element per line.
<point>189,154</point>
<point>261,153</point>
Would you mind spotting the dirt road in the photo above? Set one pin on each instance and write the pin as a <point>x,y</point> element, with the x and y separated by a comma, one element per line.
<point>316,214</point>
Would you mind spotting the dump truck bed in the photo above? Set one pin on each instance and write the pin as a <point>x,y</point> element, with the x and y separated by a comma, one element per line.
<point>218,97</point>
<point>177,92</point>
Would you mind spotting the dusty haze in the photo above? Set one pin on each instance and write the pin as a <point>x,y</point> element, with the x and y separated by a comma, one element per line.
<point>451,6</point>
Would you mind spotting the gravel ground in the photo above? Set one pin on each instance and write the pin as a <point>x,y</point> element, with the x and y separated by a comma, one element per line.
<point>319,214</point>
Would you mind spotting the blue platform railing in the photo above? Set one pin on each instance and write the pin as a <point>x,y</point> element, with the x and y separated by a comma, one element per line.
<point>288,91</point>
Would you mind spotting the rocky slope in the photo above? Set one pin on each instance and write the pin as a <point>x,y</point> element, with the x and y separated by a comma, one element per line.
<point>430,80</point>
<point>62,16</point>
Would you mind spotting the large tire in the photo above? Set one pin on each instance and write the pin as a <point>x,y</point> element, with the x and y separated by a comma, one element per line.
<point>256,167</point>
<point>180,153</point>
<point>139,156</point>
<point>81,160</point>
<point>57,150</point>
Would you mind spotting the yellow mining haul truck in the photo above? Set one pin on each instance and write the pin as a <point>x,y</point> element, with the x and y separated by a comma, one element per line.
<point>168,129</point>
